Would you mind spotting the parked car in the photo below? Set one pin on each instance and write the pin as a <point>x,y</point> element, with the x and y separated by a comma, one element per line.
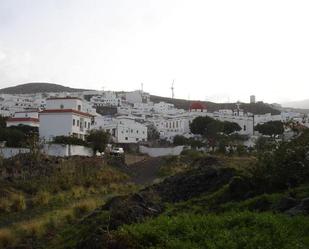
<point>117,151</point>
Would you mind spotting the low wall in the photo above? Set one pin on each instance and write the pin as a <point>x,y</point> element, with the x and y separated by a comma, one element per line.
<point>156,152</point>
<point>64,150</point>
<point>8,152</point>
<point>60,150</point>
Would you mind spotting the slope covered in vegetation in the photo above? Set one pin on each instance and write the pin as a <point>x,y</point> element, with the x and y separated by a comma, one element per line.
<point>208,202</point>
<point>257,108</point>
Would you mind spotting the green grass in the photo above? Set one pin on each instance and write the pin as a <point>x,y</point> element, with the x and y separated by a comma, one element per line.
<point>245,230</point>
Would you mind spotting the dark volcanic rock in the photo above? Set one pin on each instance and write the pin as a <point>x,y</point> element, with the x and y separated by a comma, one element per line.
<point>302,208</point>
<point>188,185</point>
<point>240,188</point>
<point>131,209</point>
<point>286,203</point>
<point>261,205</point>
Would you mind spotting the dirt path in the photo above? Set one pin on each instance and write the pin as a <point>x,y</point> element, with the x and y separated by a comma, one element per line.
<point>146,171</point>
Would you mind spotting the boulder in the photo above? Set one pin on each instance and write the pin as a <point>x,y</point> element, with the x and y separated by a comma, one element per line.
<point>302,208</point>
<point>192,184</point>
<point>286,203</point>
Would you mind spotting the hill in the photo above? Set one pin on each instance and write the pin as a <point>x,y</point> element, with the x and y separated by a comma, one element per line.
<point>302,104</point>
<point>29,88</point>
<point>257,108</point>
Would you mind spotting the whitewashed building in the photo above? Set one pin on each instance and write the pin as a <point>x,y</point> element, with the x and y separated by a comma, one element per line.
<point>137,96</point>
<point>29,118</point>
<point>170,126</point>
<point>64,117</point>
<point>107,98</point>
<point>123,129</point>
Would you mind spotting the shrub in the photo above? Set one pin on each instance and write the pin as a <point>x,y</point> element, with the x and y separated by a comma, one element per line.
<point>84,207</point>
<point>5,205</point>
<point>42,198</point>
<point>229,231</point>
<point>78,192</point>
<point>18,203</point>
<point>69,140</point>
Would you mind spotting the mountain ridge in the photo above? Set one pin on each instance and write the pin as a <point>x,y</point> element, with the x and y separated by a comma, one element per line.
<point>38,87</point>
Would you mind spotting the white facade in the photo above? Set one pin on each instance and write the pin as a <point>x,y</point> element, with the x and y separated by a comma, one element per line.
<point>107,98</point>
<point>169,127</point>
<point>137,96</point>
<point>63,117</point>
<point>123,129</point>
<point>64,103</point>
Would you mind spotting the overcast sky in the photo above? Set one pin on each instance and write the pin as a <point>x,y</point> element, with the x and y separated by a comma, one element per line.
<point>214,50</point>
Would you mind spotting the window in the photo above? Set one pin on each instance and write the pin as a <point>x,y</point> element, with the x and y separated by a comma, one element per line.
<point>126,138</point>
<point>245,128</point>
<point>137,131</point>
<point>137,139</point>
<point>61,106</point>
<point>88,125</point>
<point>73,122</point>
<point>131,130</point>
<point>85,124</point>
<point>77,122</point>
<point>79,107</point>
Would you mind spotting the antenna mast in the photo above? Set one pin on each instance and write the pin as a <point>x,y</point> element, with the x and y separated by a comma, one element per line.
<point>172,88</point>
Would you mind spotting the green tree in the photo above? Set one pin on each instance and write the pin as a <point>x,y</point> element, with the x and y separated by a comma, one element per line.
<point>3,122</point>
<point>230,127</point>
<point>180,140</point>
<point>152,133</point>
<point>286,165</point>
<point>271,128</point>
<point>69,140</point>
<point>206,126</point>
<point>98,140</point>
<point>13,137</point>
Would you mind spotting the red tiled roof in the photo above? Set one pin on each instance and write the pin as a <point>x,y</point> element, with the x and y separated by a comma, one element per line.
<point>27,111</point>
<point>197,106</point>
<point>66,111</point>
<point>36,120</point>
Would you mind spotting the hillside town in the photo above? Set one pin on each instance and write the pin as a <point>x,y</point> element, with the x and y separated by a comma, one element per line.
<point>133,115</point>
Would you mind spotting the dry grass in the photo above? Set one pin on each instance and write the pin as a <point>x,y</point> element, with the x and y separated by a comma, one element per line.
<point>42,198</point>
<point>238,162</point>
<point>7,238</point>
<point>132,159</point>
<point>39,226</point>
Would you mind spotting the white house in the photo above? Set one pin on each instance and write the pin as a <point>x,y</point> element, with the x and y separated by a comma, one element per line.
<point>137,96</point>
<point>29,118</point>
<point>123,129</point>
<point>64,117</point>
<point>107,98</point>
<point>170,126</point>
